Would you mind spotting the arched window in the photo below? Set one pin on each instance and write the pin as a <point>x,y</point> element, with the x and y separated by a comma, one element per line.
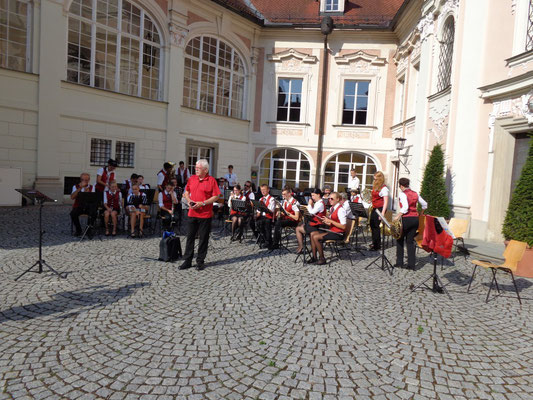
<point>338,170</point>
<point>446,55</point>
<point>214,77</point>
<point>114,45</point>
<point>282,167</point>
<point>15,28</point>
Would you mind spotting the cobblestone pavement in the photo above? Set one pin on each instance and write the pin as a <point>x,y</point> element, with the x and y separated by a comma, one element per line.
<point>252,325</point>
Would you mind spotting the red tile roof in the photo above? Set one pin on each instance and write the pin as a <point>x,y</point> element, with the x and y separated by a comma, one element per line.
<point>306,12</point>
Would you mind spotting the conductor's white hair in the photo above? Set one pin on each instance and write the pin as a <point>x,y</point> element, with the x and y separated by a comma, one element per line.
<point>203,163</point>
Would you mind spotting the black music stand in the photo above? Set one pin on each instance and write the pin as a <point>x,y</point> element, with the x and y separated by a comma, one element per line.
<point>259,207</point>
<point>241,207</point>
<point>90,200</point>
<point>385,263</point>
<point>301,199</point>
<point>305,250</point>
<point>40,199</point>
<point>358,211</point>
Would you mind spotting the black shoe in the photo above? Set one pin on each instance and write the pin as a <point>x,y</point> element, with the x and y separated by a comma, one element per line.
<point>185,265</point>
<point>322,261</point>
<point>312,260</point>
<point>399,266</point>
<point>200,266</point>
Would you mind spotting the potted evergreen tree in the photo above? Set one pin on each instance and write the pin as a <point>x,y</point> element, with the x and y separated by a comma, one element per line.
<point>518,224</point>
<point>434,185</point>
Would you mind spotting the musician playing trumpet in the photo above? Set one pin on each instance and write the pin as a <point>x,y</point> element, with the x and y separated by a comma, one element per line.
<point>408,200</point>
<point>288,215</point>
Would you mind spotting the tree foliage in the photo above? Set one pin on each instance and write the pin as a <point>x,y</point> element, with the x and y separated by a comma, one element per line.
<point>434,185</point>
<point>518,224</point>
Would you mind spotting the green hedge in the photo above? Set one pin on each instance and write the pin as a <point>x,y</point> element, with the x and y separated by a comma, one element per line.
<point>434,185</point>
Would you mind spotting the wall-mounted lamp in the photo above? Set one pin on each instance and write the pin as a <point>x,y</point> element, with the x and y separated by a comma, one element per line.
<point>400,143</point>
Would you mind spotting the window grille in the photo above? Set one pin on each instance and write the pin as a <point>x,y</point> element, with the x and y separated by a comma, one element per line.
<point>125,154</point>
<point>446,56</point>
<point>114,45</point>
<point>214,77</point>
<point>15,29</point>
<point>355,102</point>
<point>289,99</point>
<point>529,34</point>
<point>282,167</point>
<point>338,169</point>
<point>100,151</point>
<point>332,5</point>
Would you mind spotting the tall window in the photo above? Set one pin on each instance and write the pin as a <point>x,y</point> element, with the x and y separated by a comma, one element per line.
<point>102,150</point>
<point>114,45</point>
<point>332,5</point>
<point>338,170</point>
<point>446,55</point>
<point>282,167</point>
<point>289,99</point>
<point>214,77</point>
<point>355,104</point>
<point>15,28</point>
<point>529,33</point>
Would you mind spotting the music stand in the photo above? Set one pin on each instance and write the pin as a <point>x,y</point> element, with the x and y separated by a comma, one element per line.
<point>385,263</point>
<point>437,286</point>
<point>40,199</point>
<point>358,211</point>
<point>301,199</point>
<point>90,201</point>
<point>259,206</point>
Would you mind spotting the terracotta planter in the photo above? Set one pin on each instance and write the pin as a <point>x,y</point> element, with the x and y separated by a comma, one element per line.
<point>525,266</point>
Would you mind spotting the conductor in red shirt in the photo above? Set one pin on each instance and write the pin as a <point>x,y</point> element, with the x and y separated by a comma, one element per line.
<point>201,192</point>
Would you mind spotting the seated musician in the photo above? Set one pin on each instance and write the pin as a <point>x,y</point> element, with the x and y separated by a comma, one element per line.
<point>237,218</point>
<point>137,209</point>
<point>128,183</point>
<point>355,196</point>
<point>164,175</point>
<point>218,206</point>
<point>336,224</point>
<point>140,182</point>
<point>112,205</point>
<point>317,209</point>
<point>179,194</point>
<point>346,205</point>
<point>327,192</point>
<point>250,195</point>
<point>264,219</point>
<point>289,216</point>
<point>167,200</point>
<point>77,208</point>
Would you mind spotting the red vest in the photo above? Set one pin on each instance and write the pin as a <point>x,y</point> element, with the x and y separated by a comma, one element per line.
<point>377,200</point>
<point>113,200</point>
<point>287,206</point>
<point>167,200</point>
<point>266,200</point>
<point>241,197</point>
<point>127,185</point>
<point>355,199</point>
<point>335,217</point>
<point>88,188</point>
<point>412,200</point>
<point>436,239</point>
<point>165,178</point>
<point>247,195</point>
<point>106,177</point>
<point>314,220</point>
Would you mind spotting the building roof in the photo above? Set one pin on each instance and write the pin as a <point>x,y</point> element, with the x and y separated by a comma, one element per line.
<point>377,13</point>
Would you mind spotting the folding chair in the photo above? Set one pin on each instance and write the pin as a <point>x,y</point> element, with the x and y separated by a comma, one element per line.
<point>458,227</point>
<point>512,254</point>
<point>342,244</point>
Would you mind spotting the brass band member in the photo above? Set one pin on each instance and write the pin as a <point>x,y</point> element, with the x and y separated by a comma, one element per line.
<point>264,219</point>
<point>128,183</point>
<point>346,205</point>
<point>77,208</point>
<point>112,205</point>
<point>167,200</point>
<point>164,175</point>
<point>137,209</point>
<point>250,195</point>
<point>237,218</point>
<point>408,200</point>
<point>336,223</point>
<point>290,217</point>
<point>182,174</point>
<point>380,201</point>
<point>140,182</point>
<point>105,175</point>
<point>317,209</point>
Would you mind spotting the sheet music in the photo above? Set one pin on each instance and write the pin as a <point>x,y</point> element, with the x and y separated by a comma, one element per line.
<point>383,219</point>
<point>445,226</point>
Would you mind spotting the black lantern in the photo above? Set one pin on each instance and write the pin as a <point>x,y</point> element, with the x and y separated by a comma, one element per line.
<point>400,143</point>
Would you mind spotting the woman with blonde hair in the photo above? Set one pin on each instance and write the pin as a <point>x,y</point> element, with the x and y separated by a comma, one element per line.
<point>380,201</point>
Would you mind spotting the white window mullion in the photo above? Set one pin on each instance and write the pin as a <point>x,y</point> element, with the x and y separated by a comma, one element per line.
<point>215,86</point>
<point>29,30</point>
<point>93,44</point>
<point>141,54</point>
<point>231,81</point>
<point>119,46</point>
<point>200,68</point>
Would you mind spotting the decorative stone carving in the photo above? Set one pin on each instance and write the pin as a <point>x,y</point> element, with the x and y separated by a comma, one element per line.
<point>426,27</point>
<point>518,107</point>
<point>292,54</point>
<point>440,127</point>
<point>178,34</point>
<point>450,7</point>
<point>287,132</point>
<point>360,62</point>
<point>353,135</point>
<point>513,7</point>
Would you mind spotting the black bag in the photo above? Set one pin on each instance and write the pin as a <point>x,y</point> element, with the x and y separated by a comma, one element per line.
<point>170,249</point>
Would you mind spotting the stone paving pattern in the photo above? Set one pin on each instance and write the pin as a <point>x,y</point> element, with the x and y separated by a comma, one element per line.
<point>253,325</point>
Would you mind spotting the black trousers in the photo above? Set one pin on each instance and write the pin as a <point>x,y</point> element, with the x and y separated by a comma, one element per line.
<point>264,225</point>
<point>167,219</point>
<point>409,228</point>
<point>279,225</point>
<point>374,226</point>
<point>90,210</point>
<point>202,227</point>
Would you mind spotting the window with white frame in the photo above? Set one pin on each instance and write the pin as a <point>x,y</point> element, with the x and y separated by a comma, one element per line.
<point>282,167</point>
<point>338,168</point>
<point>198,153</point>
<point>332,5</point>
<point>355,102</point>
<point>529,31</point>
<point>102,150</point>
<point>15,35</point>
<point>114,45</point>
<point>446,55</point>
<point>400,97</point>
<point>289,99</point>
<point>214,77</point>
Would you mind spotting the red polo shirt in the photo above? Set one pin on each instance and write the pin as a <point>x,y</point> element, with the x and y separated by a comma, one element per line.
<point>201,190</point>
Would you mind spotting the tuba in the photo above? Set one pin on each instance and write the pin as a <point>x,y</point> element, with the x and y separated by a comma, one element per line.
<point>366,195</point>
<point>396,228</point>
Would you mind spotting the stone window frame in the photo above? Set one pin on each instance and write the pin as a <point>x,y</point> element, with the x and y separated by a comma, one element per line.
<point>113,153</point>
